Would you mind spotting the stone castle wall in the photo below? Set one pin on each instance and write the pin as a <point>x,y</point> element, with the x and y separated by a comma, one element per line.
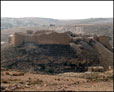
<point>52,38</point>
<point>18,39</point>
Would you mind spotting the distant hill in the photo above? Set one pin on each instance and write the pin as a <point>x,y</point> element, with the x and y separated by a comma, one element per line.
<point>7,23</point>
<point>98,26</point>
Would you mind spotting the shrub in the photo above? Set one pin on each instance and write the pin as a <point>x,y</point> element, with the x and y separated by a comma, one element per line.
<point>50,71</point>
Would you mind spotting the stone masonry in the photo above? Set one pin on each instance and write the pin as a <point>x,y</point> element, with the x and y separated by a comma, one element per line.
<point>39,37</point>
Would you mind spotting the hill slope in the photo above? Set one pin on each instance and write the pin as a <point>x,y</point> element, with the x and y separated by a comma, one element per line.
<point>34,21</point>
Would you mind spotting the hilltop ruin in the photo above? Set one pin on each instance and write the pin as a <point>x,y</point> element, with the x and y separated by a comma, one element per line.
<point>40,37</point>
<point>58,52</point>
<point>51,37</point>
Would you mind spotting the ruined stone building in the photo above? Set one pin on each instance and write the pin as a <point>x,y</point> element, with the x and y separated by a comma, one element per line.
<point>42,37</point>
<point>96,46</point>
<point>51,37</point>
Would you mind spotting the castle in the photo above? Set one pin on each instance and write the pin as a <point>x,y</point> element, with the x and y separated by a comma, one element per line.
<point>41,37</point>
<point>92,44</point>
<point>51,37</point>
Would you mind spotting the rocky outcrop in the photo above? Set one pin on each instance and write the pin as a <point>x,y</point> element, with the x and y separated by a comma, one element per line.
<point>105,55</point>
<point>105,40</point>
<point>85,51</point>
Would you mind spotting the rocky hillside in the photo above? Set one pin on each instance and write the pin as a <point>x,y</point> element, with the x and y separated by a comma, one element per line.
<point>44,58</point>
<point>76,56</point>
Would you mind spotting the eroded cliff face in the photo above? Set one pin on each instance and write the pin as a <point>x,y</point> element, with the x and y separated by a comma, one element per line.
<point>98,49</point>
<point>105,55</point>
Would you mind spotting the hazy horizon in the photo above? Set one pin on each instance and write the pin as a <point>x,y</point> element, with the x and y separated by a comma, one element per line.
<point>55,19</point>
<point>62,10</point>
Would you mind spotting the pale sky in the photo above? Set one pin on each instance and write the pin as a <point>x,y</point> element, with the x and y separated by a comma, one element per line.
<point>57,9</point>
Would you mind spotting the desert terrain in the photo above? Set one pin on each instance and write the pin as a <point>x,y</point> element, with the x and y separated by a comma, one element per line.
<point>58,64</point>
<point>26,81</point>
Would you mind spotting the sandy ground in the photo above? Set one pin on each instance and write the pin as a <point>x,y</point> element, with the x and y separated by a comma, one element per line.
<point>19,81</point>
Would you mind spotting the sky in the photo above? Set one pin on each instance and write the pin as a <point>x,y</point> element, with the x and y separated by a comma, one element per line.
<point>57,9</point>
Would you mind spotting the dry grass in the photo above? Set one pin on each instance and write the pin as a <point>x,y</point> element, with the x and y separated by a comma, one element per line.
<point>92,76</point>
